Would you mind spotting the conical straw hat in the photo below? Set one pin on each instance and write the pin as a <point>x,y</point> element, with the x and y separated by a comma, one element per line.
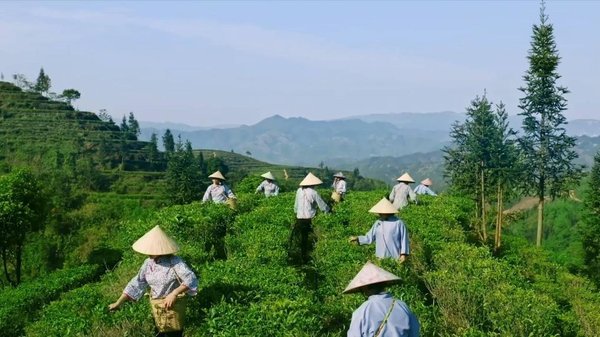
<point>384,206</point>
<point>370,274</point>
<point>427,182</point>
<point>406,178</point>
<point>155,242</point>
<point>340,175</point>
<point>268,175</point>
<point>217,175</point>
<point>310,180</point>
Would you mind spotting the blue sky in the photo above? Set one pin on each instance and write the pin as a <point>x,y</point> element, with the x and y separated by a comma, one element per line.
<point>237,62</point>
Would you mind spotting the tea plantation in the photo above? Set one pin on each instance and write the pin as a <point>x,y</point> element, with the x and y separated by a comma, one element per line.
<point>455,287</point>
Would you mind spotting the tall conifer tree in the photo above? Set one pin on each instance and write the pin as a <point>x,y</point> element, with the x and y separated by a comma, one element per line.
<point>591,223</point>
<point>547,149</point>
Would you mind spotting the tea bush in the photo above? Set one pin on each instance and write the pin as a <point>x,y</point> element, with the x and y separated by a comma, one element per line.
<point>454,287</point>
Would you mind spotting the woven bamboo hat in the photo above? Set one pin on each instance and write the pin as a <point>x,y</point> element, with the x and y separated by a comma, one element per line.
<point>406,178</point>
<point>427,182</point>
<point>368,275</point>
<point>384,206</point>
<point>310,180</point>
<point>155,242</point>
<point>217,175</point>
<point>268,175</point>
<point>340,175</point>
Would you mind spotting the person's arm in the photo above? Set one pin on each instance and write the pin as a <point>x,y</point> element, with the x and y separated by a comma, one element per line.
<point>368,238</point>
<point>412,194</point>
<point>188,282</point>
<point>260,187</point>
<point>228,192</point>
<point>357,324</point>
<point>172,297</point>
<point>122,299</point>
<point>276,191</point>
<point>404,242</point>
<point>134,289</point>
<point>392,194</point>
<point>297,201</point>
<point>322,205</point>
<point>415,326</point>
<point>431,192</point>
<point>207,195</point>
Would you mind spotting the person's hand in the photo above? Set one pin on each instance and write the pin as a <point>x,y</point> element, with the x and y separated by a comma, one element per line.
<point>114,306</point>
<point>402,258</point>
<point>170,300</point>
<point>353,239</point>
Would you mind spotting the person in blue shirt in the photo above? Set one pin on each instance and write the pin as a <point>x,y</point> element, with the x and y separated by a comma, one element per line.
<point>388,232</point>
<point>423,188</point>
<point>381,315</point>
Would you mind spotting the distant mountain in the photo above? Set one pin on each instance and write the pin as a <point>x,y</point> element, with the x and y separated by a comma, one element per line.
<point>442,121</point>
<point>381,146</point>
<point>299,141</point>
<point>419,165</point>
<point>431,121</point>
<point>144,125</point>
<point>581,127</point>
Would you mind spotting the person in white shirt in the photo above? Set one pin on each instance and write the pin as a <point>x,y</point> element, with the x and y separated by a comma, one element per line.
<point>218,192</point>
<point>423,188</point>
<point>339,187</point>
<point>402,192</point>
<point>268,185</point>
<point>302,238</point>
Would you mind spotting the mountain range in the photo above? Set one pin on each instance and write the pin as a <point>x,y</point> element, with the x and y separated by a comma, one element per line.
<point>380,145</point>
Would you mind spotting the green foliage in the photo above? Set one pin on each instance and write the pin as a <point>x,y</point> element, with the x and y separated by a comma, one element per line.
<point>249,184</point>
<point>562,237</point>
<point>20,305</point>
<point>70,95</point>
<point>43,82</point>
<point>168,142</point>
<point>22,212</point>
<point>184,179</point>
<point>547,150</point>
<point>590,228</point>
<point>455,289</point>
<point>482,160</point>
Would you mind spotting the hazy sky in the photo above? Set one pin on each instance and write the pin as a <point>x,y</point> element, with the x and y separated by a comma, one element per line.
<point>237,62</point>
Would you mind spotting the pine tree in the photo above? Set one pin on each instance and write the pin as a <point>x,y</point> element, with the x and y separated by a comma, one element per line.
<point>183,177</point>
<point>168,142</point>
<point>153,154</point>
<point>133,126</point>
<point>481,160</point>
<point>469,161</point>
<point>505,165</point>
<point>43,83</point>
<point>547,149</point>
<point>591,223</point>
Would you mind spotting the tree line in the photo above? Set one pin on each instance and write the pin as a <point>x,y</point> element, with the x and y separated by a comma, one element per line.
<point>490,162</point>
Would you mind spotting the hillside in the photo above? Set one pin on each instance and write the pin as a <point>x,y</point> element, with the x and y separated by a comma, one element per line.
<point>41,132</point>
